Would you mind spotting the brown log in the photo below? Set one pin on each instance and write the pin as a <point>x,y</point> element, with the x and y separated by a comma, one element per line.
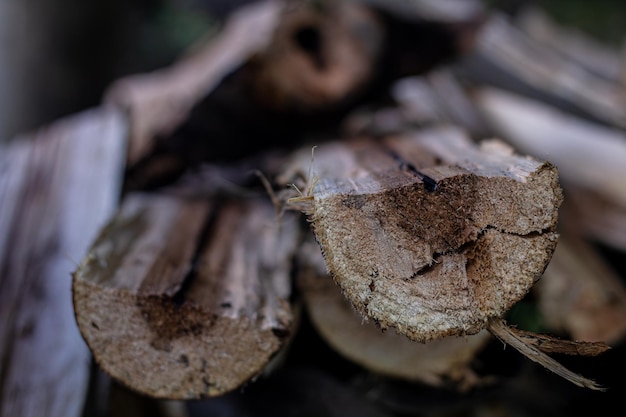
<point>428,233</point>
<point>168,330</point>
<point>57,188</point>
<point>581,295</point>
<point>595,216</point>
<point>446,362</point>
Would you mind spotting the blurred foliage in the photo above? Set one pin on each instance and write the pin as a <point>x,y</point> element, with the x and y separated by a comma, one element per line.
<point>526,315</point>
<point>169,29</point>
<point>603,19</point>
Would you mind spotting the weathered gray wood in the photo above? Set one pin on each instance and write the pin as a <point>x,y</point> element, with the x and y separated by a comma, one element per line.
<point>581,294</point>
<point>57,188</point>
<point>505,57</point>
<point>429,233</point>
<point>574,44</point>
<point>168,330</point>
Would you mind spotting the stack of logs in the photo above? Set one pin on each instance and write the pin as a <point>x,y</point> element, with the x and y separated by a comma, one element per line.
<point>333,160</point>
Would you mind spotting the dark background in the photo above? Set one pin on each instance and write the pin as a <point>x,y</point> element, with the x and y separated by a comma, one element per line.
<point>58,56</point>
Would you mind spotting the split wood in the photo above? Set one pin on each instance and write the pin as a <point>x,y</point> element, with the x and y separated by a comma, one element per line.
<point>429,233</point>
<point>170,331</point>
<point>58,185</point>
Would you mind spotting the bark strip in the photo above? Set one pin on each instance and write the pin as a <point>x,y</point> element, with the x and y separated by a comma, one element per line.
<point>533,352</point>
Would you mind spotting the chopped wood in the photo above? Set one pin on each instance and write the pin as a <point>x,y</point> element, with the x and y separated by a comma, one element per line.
<point>318,56</point>
<point>505,57</point>
<point>58,186</point>
<point>597,217</point>
<point>322,60</point>
<point>185,299</point>
<point>581,295</point>
<point>438,97</point>
<point>427,232</point>
<point>445,362</point>
<point>573,44</point>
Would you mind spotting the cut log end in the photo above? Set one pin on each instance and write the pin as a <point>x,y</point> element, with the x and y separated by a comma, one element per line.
<point>164,350</point>
<point>430,233</point>
<point>184,299</point>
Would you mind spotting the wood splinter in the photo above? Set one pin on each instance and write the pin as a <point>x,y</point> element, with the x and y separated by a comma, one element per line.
<point>185,299</point>
<point>534,347</point>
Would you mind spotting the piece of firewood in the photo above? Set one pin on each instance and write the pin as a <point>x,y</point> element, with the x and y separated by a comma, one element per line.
<point>574,44</point>
<point>505,57</point>
<point>427,232</point>
<point>595,216</point>
<point>445,362</point>
<point>323,60</point>
<point>432,234</point>
<point>58,186</point>
<point>185,299</point>
<point>581,295</point>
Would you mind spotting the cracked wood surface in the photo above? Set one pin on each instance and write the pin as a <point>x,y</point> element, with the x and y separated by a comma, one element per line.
<point>429,233</point>
<point>186,299</point>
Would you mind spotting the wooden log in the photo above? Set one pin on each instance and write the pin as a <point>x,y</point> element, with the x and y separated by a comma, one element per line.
<point>57,188</point>
<point>439,98</point>
<point>595,216</point>
<point>581,295</point>
<point>446,362</point>
<point>428,233</point>
<point>506,58</point>
<point>573,44</point>
<point>185,299</point>
<point>320,62</point>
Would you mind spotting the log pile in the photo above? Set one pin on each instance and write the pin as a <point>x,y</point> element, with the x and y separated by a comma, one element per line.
<point>397,175</point>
